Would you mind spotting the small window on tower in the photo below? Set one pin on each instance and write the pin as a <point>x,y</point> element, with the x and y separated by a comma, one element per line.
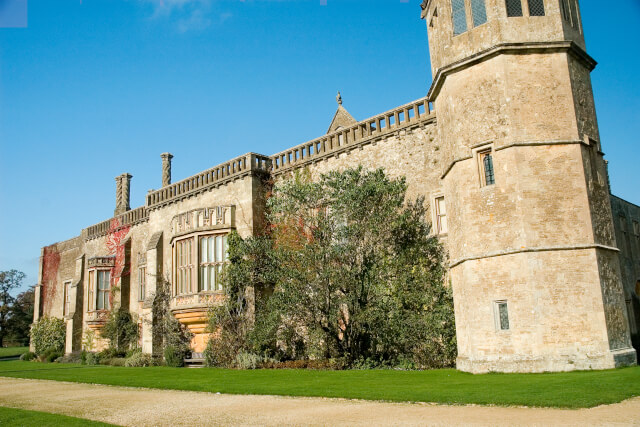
<point>514,8</point>
<point>441,216</point>
<point>459,13</point>
<point>487,175</point>
<point>479,12</point>
<point>536,7</point>
<point>501,313</point>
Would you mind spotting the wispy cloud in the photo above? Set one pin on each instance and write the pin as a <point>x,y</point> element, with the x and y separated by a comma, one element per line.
<point>186,15</point>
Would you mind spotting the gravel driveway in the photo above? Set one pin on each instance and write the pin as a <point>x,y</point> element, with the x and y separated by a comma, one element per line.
<point>147,407</point>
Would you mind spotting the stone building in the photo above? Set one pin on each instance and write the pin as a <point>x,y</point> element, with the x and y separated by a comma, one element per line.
<point>544,262</point>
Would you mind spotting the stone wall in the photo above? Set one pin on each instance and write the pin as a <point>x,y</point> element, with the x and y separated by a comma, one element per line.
<point>626,219</point>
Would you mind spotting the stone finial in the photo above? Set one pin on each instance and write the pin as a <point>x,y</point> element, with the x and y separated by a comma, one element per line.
<point>166,168</point>
<point>118,209</point>
<point>339,98</point>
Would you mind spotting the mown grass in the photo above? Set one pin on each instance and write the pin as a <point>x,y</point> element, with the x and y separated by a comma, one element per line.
<point>12,351</point>
<point>22,417</point>
<point>565,390</point>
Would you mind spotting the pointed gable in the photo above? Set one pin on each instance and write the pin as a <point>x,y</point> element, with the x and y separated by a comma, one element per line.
<point>342,118</point>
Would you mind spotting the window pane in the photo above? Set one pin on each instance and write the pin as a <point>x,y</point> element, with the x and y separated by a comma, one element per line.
<point>504,316</point>
<point>479,12</point>
<point>489,177</point>
<point>226,248</point>
<point>514,8</point>
<point>219,277</point>
<point>211,249</point>
<point>459,16</point>
<point>203,249</point>
<point>442,207</point>
<point>536,8</point>
<point>444,227</point>
<point>204,275</point>
<point>219,248</point>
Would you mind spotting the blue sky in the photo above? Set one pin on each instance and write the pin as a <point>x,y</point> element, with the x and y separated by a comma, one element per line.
<point>94,88</point>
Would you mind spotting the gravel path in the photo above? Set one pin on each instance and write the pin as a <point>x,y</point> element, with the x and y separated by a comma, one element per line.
<point>147,407</point>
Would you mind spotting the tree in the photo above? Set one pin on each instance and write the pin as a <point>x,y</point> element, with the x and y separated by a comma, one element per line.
<point>21,316</point>
<point>9,280</point>
<point>352,270</point>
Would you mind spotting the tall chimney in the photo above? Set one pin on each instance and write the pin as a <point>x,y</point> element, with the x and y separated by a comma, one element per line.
<point>166,168</point>
<point>125,196</point>
<point>118,210</point>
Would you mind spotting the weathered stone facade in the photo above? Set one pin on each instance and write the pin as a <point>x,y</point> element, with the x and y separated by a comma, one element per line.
<point>544,277</point>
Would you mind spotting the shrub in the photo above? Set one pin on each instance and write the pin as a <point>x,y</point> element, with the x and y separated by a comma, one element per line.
<point>50,355</point>
<point>28,356</point>
<point>116,361</point>
<point>121,330</point>
<point>75,357</point>
<point>109,353</point>
<point>247,360</point>
<point>48,333</point>
<point>138,360</point>
<point>174,357</point>
<point>91,358</point>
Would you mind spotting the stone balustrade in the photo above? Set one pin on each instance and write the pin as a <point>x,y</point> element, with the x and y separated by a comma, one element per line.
<point>129,218</point>
<point>355,135</point>
<point>234,169</point>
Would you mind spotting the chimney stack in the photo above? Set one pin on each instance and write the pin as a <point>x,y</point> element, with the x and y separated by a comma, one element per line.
<point>123,193</point>
<point>166,168</point>
<point>118,210</point>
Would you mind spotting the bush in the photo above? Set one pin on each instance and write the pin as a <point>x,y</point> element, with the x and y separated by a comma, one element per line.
<point>48,334</point>
<point>28,356</point>
<point>50,356</point>
<point>247,360</point>
<point>116,361</point>
<point>174,357</point>
<point>110,353</point>
<point>91,358</point>
<point>75,357</point>
<point>121,330</point>
<point>139,360</point>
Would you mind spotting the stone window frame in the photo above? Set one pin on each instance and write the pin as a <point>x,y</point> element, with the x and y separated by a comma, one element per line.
<point>479,154</point>
<point>195,261</point>
<point>66,297</point>
<point>512,3</point>
<point>497,317</point>
<point>142,282</point>
<point>465,10</point>
<point>216,265</point>
<point>532,5</point>
<point>93,292</point>
<point>469,16</point>
<point>436,217</point>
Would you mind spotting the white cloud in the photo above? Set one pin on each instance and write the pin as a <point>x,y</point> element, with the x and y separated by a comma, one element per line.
<point>186,15</point>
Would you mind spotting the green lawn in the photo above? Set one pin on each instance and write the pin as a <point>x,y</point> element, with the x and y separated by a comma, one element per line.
<point>12,351</point>
<point>569,390</point>
<point>21,417</point>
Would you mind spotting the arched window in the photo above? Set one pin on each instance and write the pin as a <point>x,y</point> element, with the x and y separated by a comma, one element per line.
<point>514,8</point>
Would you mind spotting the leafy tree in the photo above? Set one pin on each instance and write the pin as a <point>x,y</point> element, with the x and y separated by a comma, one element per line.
<point>21,316</point>
<point>121,329</point>
<point>348,270</point>
<point>9,280</point>
<point>167,331</point>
